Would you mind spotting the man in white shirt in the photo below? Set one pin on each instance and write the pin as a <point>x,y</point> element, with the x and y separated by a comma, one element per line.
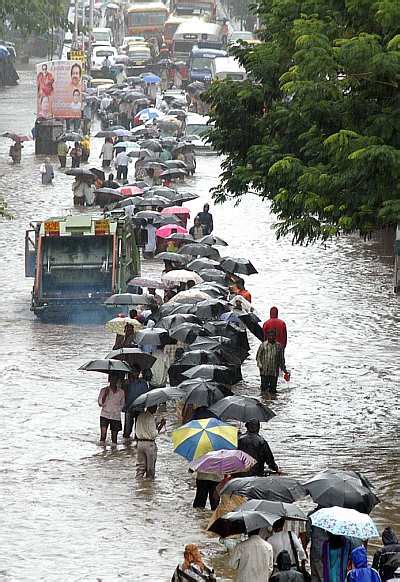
<point>146,431</point>
<point>107,152</point>
<point>121,163</point>
<point>280,540</point>
<point>253,559</point>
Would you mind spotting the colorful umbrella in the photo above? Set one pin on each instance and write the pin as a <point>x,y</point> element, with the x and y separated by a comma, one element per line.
<point>166,230</point>
<point>197,437</point>
<point>146,114</point>
<point>345,522</point>
<point>130,190</point>
<point>223,461</point>
<point>117,325</point>
<point>177,210</point>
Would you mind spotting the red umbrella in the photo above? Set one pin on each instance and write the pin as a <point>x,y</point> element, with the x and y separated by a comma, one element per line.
<point>177,210</point>
<point>16,137</point>
<point>166,230</point>
<point>130,191</point>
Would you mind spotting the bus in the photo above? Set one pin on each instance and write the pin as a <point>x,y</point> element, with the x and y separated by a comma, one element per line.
<point>147,19</point>
<point>195,32</point>
<point>195,8</point>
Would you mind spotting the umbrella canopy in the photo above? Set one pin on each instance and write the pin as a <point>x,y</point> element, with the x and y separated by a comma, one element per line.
<point>213,275</point>
<point>288,510</point>
<point>202,393</point>
<point>250,320</point>
<point>342,521</point>
<point>223,461</point>
<point>238,522</point>
<point>174,308</point>
<point>147,283</point>
<point>147,114</point>
<point>173,257</point>
<point>211,239</point>
<point>155,336</point>
<point>272,488</point>
<point>173,321</point>
<point>70,136</point>
<point>173,173</point>
<point>170,221</point>
<point>199,250</point>
<point>197,437</point>
<point>122,133</point>
<point>156,201</point>
<point>192,295</point>
<point>187,332</point>
<point>203,263</point>
<point>157,396</point>
<point>185,197</point>
<point>221,374</point>
<point>181,236</point>
<point>151,144</point>
<point>150,78</point>
<point>106,366</point>
<point>129,299</point>
<point>238,265</point>
<point>339,488</point>
<point>147,214</point>
<point>130,190</point>
<point>81,173</point>
<point>133,357</point>
<point>177,210</point>
<point>242,408</point>
<point>197,357</point>
<point>211,308</point>
<point>168,229</point>
<point>181,276</point>
<point>117,325</point>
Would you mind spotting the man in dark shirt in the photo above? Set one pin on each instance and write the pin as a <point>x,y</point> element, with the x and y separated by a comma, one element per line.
<point>135,387</point>
<point>206,219</point>
<point>256,446</point>
<point>387,559</point>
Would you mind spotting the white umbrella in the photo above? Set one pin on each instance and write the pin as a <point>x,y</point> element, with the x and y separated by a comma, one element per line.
<point>117,325</point>
<point>190,296</point>
<point>181,276</point>
<point>345,522</point>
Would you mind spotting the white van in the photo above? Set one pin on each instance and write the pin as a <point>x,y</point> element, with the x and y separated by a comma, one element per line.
<point>227,68</point>
<point>102,36</point>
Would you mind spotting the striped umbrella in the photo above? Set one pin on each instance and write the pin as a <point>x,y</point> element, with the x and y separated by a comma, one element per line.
<point>197,437</point>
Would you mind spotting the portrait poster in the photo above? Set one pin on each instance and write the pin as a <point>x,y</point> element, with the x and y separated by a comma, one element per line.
<point>59,89</point>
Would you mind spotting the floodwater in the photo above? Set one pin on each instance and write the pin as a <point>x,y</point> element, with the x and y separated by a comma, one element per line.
<point>71,511</point>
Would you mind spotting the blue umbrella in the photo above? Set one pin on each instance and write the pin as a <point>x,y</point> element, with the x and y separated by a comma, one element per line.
<point>151,78</point>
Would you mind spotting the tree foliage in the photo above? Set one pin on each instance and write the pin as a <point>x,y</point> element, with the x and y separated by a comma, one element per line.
<point>317,133</point>
<point>33,16</point>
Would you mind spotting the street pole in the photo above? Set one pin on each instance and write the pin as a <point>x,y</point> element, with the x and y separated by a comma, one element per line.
<point>76,24</point>
<point>90,28</point>
<point>83,24</point>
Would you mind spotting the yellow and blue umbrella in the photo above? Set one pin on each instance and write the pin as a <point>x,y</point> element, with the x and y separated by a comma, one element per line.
<point>197,437</point>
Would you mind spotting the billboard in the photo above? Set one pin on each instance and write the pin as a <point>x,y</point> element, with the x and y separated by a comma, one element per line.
<point>59,89</point>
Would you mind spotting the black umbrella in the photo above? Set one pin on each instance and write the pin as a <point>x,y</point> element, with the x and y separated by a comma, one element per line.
<point>106,366</point>
<point>173,321</point>
<point>156,201</point>
<point>198,357</point>
<point>272,488</point>
<point>213,288</point>
<point>173,257</point>
<point>81,173</point>
<point>195,87</point>
<point>213,275</point>
<point>174,308</point>
<point>151,144</point>
<point>212,342</point>
<point>149,283</point>
<point>133,357</point>
<point>154,165</point>
<point>168,219</point>
<point>243,408</point>
<point>211,239</point>
<point>343,489</point>
<point>146,214</point>
<point>99,173</point>
<point>162,191</point>
<point>173,173</point>
<point>156,397</point>
<point>251,320</point>
<point>202,392</point>
<point>130,299</point>
<point>155,336</point>
<point>288,510</point>
<point>105,196</point>
<point>221,374</point>
<point>105,133</point>
<point>187,332</point>
<point>181,197</point>
<point>239,521</point>
<point>176,164</point>
<point>203,263</point>
<point>181,236</point>
<point>238,265</point>
<point>199,250</point>
<point>70,136</point>
<point>211,308</point>
<point>129,201</point>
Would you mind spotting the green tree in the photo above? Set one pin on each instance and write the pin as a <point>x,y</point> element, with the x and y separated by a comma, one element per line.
<point>317,132</point>
<point>33,16</point>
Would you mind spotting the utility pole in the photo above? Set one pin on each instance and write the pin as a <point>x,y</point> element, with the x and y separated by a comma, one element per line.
<point>76,24</point>
<point>83,24</point>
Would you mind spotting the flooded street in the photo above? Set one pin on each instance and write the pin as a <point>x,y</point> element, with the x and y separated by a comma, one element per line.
<point>72,511</point>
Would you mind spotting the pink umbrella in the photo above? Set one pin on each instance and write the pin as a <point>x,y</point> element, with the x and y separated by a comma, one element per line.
<point>177,210</point>
<point>223,461</point>
<point>130,190</point>
<point>166,230</point>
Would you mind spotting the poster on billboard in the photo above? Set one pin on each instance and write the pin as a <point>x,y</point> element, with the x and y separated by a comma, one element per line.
<point>59,89</point>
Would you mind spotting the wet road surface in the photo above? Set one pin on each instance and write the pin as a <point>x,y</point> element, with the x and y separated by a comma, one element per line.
<point>72,511</point>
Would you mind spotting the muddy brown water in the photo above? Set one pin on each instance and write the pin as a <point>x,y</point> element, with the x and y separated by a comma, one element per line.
<point>71,511</point>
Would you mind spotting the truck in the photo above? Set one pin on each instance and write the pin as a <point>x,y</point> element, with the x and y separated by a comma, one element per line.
<point>77,262</point>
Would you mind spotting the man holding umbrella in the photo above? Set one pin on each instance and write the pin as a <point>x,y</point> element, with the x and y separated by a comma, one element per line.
<point>135,387</point>
<point>257,447</point>
<point>146,432</point>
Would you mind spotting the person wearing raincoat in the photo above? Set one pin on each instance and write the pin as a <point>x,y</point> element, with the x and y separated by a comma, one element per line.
<point>387,559</point>
<point>85,147</point>
<point>361,571</point>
